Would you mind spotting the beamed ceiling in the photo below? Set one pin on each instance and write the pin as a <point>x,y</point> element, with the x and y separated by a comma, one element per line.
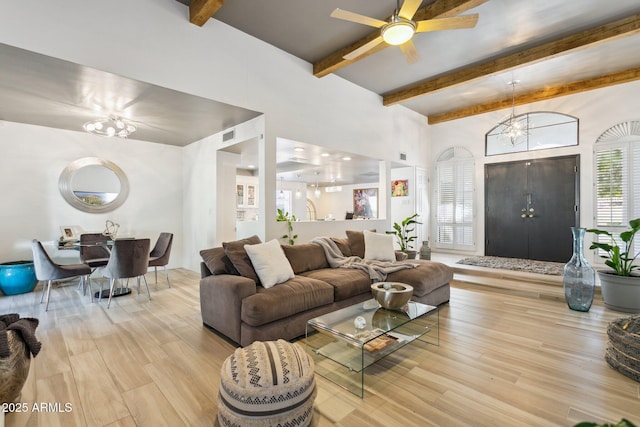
<point>553,48</point>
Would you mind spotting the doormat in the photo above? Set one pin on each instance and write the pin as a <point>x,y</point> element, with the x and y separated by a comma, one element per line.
<point>517,264</point>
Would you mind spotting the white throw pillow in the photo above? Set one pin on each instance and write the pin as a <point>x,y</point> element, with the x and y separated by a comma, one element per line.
<point>270,263</point>
<point>378,246</point>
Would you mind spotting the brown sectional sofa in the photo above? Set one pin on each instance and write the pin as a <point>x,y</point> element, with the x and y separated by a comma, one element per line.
<point>242,310</point>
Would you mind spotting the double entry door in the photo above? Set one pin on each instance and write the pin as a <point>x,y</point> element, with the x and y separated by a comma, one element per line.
<point>530,207</point>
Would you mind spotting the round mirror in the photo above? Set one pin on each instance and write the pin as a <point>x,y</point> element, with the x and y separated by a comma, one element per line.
<point>93,185</point>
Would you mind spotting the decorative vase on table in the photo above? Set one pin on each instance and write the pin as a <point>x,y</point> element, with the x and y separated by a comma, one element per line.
<point>17,277</point>
<point>579,278</point>
<point>425,250</point>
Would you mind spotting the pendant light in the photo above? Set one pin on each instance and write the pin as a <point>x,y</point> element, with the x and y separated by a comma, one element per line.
<point>515,128</point>
<point>317,192</point>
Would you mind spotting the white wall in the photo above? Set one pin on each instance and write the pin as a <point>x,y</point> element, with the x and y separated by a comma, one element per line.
<point>154,42</point>
<point>32,207</point>
<point>405,206</point>
<point>596,111</point>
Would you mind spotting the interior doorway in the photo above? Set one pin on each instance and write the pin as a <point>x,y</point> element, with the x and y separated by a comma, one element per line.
<point>530,207</point>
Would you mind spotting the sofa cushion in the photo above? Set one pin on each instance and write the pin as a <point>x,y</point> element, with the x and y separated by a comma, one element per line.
<point>217,261</point>
<point>346,282</point>
<point>269,262</point>
<point>343,244</point>
<point>356,242</point>
<point>426,277</point>
<point>378,246</point>
<point>291,297</point>
<point>305,257</point>
<point>238,256</point>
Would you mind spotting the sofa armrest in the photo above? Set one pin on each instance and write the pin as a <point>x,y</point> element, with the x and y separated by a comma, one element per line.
<point>221,302</point>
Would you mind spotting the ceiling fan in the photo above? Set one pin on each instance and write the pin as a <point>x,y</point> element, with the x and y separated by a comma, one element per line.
<point>401,27</point>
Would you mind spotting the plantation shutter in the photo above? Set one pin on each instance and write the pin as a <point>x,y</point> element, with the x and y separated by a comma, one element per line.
<point>617,176</point>
<point>611,188</point>
<point>445,200</point>
<point>454,200</point>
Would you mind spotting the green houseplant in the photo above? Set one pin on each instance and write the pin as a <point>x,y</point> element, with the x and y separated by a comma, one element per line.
<point>403,232</point>
<point>290,219</point>
<point>620,287</point>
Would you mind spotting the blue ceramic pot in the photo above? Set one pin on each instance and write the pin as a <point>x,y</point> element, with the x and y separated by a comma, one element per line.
<point>17,277</point>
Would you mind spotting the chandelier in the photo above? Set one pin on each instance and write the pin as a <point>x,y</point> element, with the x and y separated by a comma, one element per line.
<point>515,128</point>
<point>317,192</point>
<point>110,126</point>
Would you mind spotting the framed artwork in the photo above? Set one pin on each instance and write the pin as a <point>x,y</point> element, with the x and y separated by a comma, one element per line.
<point>400,188</point>
<point>70,232</point>
<point>365,203</point>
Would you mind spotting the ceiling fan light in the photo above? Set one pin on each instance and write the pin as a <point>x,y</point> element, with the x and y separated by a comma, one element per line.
<point>398,32</point>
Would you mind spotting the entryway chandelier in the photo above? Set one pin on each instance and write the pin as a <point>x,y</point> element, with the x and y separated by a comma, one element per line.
<point>515,128</point>
<point>110,126</point>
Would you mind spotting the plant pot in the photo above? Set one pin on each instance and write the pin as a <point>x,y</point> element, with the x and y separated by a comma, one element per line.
<point>17,277</point>
<point>411,254</point>
<point>620,293</point>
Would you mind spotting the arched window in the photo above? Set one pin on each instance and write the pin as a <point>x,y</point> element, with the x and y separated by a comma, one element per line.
<point>532,131</point>
<point>455,194</point>
<point>617,176</point>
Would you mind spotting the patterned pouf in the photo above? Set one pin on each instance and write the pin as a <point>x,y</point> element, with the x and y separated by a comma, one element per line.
<point>267,384</point>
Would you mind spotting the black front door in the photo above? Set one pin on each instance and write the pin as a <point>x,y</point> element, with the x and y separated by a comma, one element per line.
<point>530,207</point>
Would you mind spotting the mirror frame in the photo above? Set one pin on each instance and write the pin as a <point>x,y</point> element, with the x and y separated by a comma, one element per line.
<point>66,180</point>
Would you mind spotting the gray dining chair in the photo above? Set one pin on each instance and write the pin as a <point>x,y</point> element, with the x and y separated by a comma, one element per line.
<point>48,271</point>
<point>129,258</point>
<point>159,256</point>
<point>94,251</point>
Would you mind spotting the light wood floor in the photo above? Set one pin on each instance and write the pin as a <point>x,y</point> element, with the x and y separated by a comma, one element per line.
<point>503,360</point>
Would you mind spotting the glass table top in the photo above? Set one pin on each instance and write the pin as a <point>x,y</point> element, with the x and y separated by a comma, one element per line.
<point>363,322</point>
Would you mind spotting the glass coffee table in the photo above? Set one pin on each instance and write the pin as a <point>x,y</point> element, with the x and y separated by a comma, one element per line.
<point>344,343</point>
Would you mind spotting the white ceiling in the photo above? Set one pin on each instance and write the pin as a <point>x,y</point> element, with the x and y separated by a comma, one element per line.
<point>305,29</point>
<point>45,91</point>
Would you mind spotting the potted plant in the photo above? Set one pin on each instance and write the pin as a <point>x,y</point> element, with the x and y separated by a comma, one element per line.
<point>290,219</point>
<point>620,286</point>
<point>403,232</point>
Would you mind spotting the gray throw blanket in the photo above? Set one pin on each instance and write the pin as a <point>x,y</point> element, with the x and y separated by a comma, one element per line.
<point>377,270</point>
<point>26,327</point>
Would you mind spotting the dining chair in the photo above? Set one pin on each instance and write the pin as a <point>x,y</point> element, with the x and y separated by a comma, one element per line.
<point>159,256</point>
<point>48,271</point>
<point>129,258</point>
<point>93,250</point>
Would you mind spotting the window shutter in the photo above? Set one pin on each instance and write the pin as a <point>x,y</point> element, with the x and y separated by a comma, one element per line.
<point>611,191</point>
<point>455,199</point>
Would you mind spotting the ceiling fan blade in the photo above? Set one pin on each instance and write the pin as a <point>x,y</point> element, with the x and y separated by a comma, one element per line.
<point>409,8</point>
<point>363,49</point>
<point>409,51</point>
<point>457,22</point>
<point>357,18</point>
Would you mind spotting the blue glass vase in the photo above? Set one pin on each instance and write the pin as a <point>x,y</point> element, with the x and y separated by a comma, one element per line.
<point>579,278</point>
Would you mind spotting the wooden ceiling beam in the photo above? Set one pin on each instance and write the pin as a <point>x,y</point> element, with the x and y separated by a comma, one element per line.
<point>201,10</point>
<point>438,9</point>
<point>620,28</point>
<point>599,82</point>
